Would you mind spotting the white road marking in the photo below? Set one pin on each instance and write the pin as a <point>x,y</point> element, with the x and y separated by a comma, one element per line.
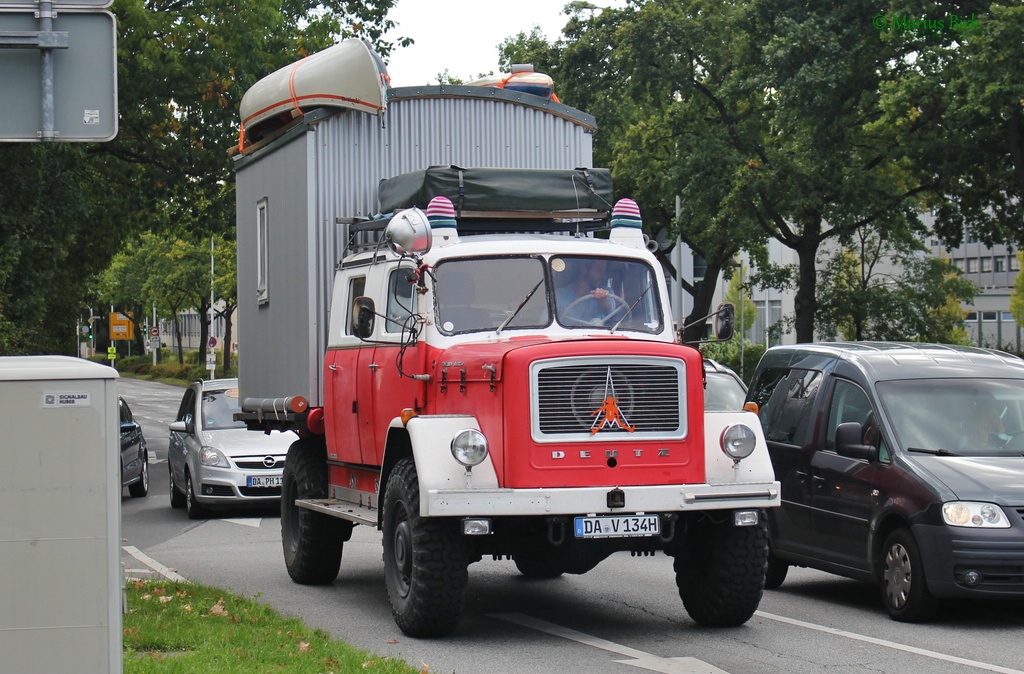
<point>638,658</point>
<point>245,521</point>
<point>153,564</point>
<point>889,644</point>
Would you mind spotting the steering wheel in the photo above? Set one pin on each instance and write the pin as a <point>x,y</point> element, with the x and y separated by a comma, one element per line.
<point>618,305</point>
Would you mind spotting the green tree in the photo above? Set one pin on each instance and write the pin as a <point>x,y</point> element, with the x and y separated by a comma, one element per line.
<point>738,293</point>
<point>878,290</point>
<point>1017,294</point>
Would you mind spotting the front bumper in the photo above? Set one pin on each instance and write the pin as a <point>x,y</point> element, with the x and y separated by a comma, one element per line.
<point>229,486</point>
<point>996,554</point>
<point>576,500</point>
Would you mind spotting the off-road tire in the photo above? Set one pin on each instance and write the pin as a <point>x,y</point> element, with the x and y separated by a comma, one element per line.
<point>313,542</point>
<point>904,588</point>
<point>194,509</point>
<point>777,570</point>
<point>425,560</point>
<point>141,488</point>
<point>720,571</point>
<point>177,497</point>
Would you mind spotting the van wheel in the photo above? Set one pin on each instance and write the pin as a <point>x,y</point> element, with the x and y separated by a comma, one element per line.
<point>777,570</point>
<point>313,542</point>
<point>425,560</point>
<point>192,507</point>
<point>177,498</point>
<point>904,589</point>
<point>720,571</point>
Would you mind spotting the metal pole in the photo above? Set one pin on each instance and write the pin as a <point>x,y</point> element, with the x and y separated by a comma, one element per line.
<point>46,72</point>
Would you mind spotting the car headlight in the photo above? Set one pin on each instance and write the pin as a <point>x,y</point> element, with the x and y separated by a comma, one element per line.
<point>469,447</point>
<point>208,456</point>
<point>738,441</point>
<point>971,514</point>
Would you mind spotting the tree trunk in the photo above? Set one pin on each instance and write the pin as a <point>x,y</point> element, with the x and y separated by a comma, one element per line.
<point>228,310</point>
<point>806,302</point>
<point>702,297</point>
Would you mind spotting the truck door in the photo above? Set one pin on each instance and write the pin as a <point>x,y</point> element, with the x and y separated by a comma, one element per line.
<point>786,400</point>
<point>341,373</point>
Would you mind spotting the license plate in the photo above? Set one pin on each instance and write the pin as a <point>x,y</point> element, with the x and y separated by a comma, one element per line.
<point>618,526</point>
<point>263,481</point>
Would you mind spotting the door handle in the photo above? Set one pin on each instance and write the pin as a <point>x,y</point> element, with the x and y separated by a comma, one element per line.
<point>373,366</point>
<point>333,367</point>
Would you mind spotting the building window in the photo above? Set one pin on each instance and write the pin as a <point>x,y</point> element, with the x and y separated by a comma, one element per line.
<point>700,267</point>
<point>986,264</point>
<point>959,262</point>
<point>1000,263</point>
<point>988,315</point>
<point>972,265</point>
<point>1007,316</point>
<point>1014,263</point>
<point>262,253</point>
<point>972,316</point>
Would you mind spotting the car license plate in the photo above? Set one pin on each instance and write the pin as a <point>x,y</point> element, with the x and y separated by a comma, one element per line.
<point>617,526</point>
<point>263,481</point>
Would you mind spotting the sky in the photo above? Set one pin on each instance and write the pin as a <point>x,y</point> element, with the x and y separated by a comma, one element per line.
<point>462,36</point>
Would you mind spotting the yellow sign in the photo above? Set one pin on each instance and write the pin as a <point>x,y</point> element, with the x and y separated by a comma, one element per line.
<point>121,325</point>
<point>111,353</point>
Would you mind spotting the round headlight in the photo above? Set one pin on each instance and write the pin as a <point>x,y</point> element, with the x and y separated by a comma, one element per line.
<point>738,441</point>
<point>469,447</point>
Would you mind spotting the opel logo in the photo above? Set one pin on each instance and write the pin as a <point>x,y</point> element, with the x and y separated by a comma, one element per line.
<point>269,461</point>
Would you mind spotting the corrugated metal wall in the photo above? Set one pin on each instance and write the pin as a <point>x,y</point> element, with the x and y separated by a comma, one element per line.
<point>347,155</point>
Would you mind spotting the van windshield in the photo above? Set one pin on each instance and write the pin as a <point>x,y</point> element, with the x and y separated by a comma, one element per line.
<point>529,291</point>
<point>965,417</point>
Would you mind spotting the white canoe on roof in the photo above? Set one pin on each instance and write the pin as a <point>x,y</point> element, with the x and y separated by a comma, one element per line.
<point>348,75</point>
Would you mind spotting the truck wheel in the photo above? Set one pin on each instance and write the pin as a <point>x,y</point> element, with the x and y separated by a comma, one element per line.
<point>177,498</point>
<point>904,590</point>
<point>720,571</point>
<point>312,542</point>
<point>192,507</point>
<point>777,570</point>
<point>425,560</point>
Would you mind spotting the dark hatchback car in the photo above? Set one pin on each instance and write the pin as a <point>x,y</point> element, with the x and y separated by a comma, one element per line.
<point>900,464</point>
<point>134,455</point>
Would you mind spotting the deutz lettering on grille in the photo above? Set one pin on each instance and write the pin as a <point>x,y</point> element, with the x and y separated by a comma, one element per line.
<point>609,414</point>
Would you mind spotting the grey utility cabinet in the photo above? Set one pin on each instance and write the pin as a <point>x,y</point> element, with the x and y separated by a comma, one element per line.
<point>60,516</point>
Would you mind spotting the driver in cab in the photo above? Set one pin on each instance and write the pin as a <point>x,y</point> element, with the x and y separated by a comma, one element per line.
<point>586,298</point>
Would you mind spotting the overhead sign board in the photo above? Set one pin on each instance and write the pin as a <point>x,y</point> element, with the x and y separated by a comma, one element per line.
<point>84,77</point>
<point>6,5</point>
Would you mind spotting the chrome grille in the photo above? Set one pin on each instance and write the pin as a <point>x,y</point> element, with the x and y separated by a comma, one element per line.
<point>569,398</point>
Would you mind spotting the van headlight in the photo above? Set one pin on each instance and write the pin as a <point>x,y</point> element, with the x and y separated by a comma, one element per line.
<point>972,514</point>
<point>738,441</point>
<point>469,447</point>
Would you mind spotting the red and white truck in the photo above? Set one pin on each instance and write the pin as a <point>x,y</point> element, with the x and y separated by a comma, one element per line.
<point>457,381</point>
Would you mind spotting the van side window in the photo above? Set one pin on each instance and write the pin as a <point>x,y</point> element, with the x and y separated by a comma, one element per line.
<point>785,399</point>
<point>849,403</point>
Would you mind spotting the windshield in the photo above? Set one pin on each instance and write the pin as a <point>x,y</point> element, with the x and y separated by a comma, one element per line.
<point>527,291</point>
<point>965,417</point>
<point>219,409</point>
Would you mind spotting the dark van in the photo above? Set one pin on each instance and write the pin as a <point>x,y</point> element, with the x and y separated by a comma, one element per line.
<point>901,464</point>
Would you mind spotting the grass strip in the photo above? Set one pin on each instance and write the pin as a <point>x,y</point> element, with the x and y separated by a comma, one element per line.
<point>186,628</point>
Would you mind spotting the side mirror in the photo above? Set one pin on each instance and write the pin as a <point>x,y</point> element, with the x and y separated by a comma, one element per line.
<point>724,321</point>
<point>363,317</point>
<point>178,427</point>
<point>850,442</point>
<point>408,232</point>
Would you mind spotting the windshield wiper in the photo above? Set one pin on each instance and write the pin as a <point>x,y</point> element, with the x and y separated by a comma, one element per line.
<point>934,452</point>
<point>635,302</point>
<point>519,308</point>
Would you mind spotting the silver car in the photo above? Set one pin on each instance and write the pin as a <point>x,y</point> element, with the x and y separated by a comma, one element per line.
<point>214,461</point>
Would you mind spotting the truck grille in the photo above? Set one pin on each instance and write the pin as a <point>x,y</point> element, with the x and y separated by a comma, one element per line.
<point>573,399</point>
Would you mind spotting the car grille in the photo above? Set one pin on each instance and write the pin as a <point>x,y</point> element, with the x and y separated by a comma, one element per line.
<point>260,491</point>
<point>571,398</point>
<point>251,463</point>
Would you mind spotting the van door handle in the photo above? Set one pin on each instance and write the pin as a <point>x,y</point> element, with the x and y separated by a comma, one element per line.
<point>333,367</point>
